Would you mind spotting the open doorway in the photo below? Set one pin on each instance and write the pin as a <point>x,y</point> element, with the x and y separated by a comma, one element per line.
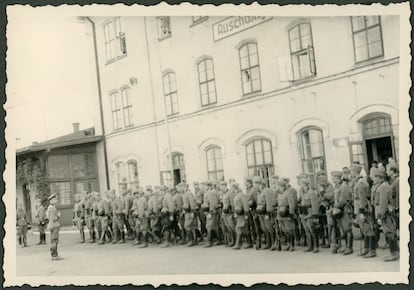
<point>178,167</point>
<point>379,149</point>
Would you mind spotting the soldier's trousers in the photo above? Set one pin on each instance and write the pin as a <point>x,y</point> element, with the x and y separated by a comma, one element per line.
<point>190,223</point>
<point>22,233</point>
<point>104,224</point>
<point>54,240</point>
<point>90,223</point>
<point>202,219</point>
<point>241,225</point>
<point>118,227</point>
<point>254,226</point>
<point>98,226</point>
<point>228,222</point>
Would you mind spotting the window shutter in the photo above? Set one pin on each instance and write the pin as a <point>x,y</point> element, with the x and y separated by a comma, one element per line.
<point>122,43</point>
<point>312,64</point>
<point>285,69</point>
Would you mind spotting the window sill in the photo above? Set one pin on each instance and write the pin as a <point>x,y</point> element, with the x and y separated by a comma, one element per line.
<point>209,105</point>
<point>303,80</point>
<point>251,95</point>
<point>368,61</point>
<point>172,115</point>
<point>164,38</point>
<point>116,59</point>
<point>201,20</point>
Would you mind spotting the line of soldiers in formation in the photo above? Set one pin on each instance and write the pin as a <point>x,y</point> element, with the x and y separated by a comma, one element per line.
<point>275,218</point>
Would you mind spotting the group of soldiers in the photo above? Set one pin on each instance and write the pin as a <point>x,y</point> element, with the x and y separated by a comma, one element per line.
<point>278,217</point>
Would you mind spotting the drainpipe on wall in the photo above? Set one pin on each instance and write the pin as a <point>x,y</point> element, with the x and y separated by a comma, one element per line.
<point>98,79</point>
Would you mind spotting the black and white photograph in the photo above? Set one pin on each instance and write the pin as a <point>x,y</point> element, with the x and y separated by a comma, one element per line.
<point>229,144</point>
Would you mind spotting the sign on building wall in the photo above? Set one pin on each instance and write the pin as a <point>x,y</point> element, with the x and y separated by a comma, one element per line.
<point>236,24</point>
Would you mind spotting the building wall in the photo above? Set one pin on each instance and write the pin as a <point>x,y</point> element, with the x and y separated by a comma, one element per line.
<point>335,100</point>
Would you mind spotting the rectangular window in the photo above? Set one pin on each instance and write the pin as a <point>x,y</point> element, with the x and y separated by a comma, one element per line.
<point>116,110</point>
<point>250,69</point>
<point>84,165</point>
<point>367,36</point>
<point>163,27</point>
<point>166,178</point>
<point>301,51</point>
<point>357,153</point>
<point>59,166</point>
<point>115,43</point>
<point>170,94</point>
<point>215,164</point>
<point>63,192</point>
<point>207,82</point>
<point>127,107</point>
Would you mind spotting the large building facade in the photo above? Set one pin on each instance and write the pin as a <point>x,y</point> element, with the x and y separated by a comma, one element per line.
<point>228,97</point>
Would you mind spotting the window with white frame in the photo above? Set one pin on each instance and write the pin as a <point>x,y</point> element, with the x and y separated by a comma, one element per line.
<point>116,104</point>
<point>121,177</point>
<point>367,36</point>
<point>207,82</point>
<point>170,93</point>
<point>214,163</point>
<point>301,51</point>
<point>250,69</point>
<point>127,106</point>
<point>199,19</point>
<point>133,174</point>
<point>163,27</point>
<point>115,43</point>
<point>312,152</point>
<point>260,158</point>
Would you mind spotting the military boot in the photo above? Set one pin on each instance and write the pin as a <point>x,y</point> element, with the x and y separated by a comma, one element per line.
<point>349,244</point>
<point>315,240</point>
<point>209,240</point>
<point>373,248</point>
<point>395,255</point>
<point>310,243</point>
<point>272,241</point>
<point>365,250</point>
<point>249,244</point>
<point>237,245</point>
<point>266,246</point>
<point>40,239</point>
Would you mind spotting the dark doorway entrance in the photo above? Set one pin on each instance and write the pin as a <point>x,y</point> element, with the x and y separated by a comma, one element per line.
<point>178,167</point>
<point>177,176</point>
<point>379,149</point>
<point>27,203</point>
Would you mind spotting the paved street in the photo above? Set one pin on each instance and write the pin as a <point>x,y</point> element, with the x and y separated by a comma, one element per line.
<point>92,259</point>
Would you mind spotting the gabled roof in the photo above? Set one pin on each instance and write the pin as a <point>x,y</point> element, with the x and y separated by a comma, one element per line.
<point>75,138</point>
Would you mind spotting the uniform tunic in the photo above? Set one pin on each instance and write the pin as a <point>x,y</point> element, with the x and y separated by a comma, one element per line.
<point>154,207</point>
<point>311,201</point>
<point>211,198</point>
<point>190,207</point>
<point>287,199</point>
<point>41,218</point>
<point>241,208</point>
<point>386,210</point>
<point>54,223</point>
<point>342,194</point>
<point>228,208</point>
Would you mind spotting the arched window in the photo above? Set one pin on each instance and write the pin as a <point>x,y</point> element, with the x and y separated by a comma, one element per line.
<point>207,82</point>
<point>170,93</point>
<point>133,173</point>
<point>312,152</point>
<point>377,126</point>
<point>120,174</point>
<point>250,69</point>
<point>214,158</point>
<point>260,158</point>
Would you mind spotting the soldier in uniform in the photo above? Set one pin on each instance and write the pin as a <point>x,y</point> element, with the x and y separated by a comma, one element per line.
<point>129,219</point>
<point>325,190</point>
<point>277,230</point>
<point>253,222</point>
<point>386,215</point>
<point>287,212</point>
<point>241,211</point>
<point>143,216</point>
<point>228,213</point>
<point>395,186</point>
<point>199,196</point>
<point>342,213</point>
<point>167,216</point>
<point>54,225</point>
<point>41,221</point>
<point>190,218</point>
<point>310,202</point>
<point>375,202</point>
<point>179,213</point>
<point>154,207</point>
<point>210,205</point>
<point>303,237</point>
<point>102,207</point>
<point>21,221</point>
<point>90,222</point>
<point>135,216</point>
<point>363,211</point>
<point>79,216</point>
<point>265,207</point>
<point>118,220</point>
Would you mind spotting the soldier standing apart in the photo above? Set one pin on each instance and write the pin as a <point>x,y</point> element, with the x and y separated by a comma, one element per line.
<point>79,216</point>
<point>311,202</point>
<point>342,213</point>
<point>228,214</point>
<point>386,215</point>
<point>364,213</point>
<point>287,212</point>
<point>54,225</point>
<point>241,210</point>
<point>21,225</point>
<point>190,219</point>
<point>211,202</point>
<point>41,221</point>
